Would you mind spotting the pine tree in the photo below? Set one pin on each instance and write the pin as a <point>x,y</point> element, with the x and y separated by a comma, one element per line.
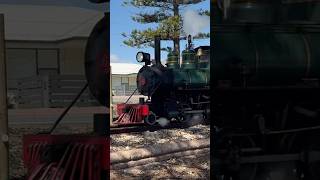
<point>164,12</point>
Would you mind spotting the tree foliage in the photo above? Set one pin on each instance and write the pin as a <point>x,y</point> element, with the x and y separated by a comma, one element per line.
<point>165,13</point>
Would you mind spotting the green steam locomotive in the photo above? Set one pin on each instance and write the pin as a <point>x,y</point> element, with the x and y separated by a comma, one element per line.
<point>179,90</point>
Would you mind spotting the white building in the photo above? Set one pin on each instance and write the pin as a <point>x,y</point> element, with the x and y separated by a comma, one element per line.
<point>51,40</point>
<point>124,77</point>
<point>46,39</point>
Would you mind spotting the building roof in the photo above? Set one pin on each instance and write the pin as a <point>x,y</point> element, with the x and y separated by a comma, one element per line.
<point>74,3</point>
<point>47,23</point>
<point>125,68</point>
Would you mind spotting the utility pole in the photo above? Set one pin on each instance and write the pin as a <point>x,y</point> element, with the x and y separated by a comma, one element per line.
<point>4,140</point>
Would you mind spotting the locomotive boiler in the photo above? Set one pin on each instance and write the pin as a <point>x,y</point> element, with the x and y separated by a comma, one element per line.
<point>265,89</point>
<point>179,90</point>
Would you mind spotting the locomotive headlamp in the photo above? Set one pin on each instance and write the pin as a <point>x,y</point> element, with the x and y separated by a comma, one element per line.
<point>143,57</point>
<point>139,57</point>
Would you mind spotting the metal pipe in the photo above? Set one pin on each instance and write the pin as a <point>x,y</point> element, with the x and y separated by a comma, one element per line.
<point>306,112</point>
<point>4,141</point>
<point>67,109</point>
<point>157,50</point>
<point>131,96</point>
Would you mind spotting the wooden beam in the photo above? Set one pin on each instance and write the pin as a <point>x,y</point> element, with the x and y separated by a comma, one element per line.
<point>157,150</point>
<point>4,142</point>
<point>158,158</point>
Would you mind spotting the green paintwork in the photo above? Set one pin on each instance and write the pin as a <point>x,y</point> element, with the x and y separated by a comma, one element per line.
<point>203,60</point>
<point>188,59</point>
<point>259,55</point>
<point>276,12</point>
<point>189,74</point>
<point>173,60</point>
<point>251,12</point>
<point>303,12</point>
<point>191,77</point>
<point>265,58</point>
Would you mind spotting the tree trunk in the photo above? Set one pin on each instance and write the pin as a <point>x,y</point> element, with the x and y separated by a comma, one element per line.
<point>176,40</point>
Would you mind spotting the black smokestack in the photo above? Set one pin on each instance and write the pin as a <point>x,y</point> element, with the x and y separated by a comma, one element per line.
<point>189,41</point>
<point>157,49</point>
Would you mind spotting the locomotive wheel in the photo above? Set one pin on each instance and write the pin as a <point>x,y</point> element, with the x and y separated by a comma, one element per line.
<point>286,143</point>
<point>248,171</point>
<point>299,143</point>
<point>314,166</point>
<point>238,171</point>
<point>185,120</point>
<point>192,119</point>
<point>293,143</point>
<point>151,119</point>
<point>206,115</point>
<point>206,118</point>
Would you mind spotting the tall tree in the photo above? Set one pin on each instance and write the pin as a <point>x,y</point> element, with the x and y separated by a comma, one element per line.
<point>164,12</point>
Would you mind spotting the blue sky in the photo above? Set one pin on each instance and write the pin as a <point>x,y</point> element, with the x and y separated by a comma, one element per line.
<point>121,22</point>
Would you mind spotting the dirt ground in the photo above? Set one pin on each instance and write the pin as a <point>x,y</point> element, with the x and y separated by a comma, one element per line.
<point>191,167</point>
<point>137,140</point>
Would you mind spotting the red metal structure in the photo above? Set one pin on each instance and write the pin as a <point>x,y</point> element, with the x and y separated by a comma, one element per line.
<point>78,157</point>
<point>66,157</point>
<point>131,113</point>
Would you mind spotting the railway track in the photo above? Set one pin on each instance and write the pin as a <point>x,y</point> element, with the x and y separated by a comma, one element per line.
<point>143,128</point>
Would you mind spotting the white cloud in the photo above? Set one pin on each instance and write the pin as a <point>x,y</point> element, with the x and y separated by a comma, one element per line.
<point>114,58</point>
<point>193,23</point>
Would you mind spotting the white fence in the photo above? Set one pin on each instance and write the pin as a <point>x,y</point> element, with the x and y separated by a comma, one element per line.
<point>124,90</point>
<point>50,91</point>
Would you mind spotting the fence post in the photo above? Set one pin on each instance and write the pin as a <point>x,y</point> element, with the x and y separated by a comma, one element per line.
<point>4,141</point>
<point>18,93</point>
<point>46,91</point>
